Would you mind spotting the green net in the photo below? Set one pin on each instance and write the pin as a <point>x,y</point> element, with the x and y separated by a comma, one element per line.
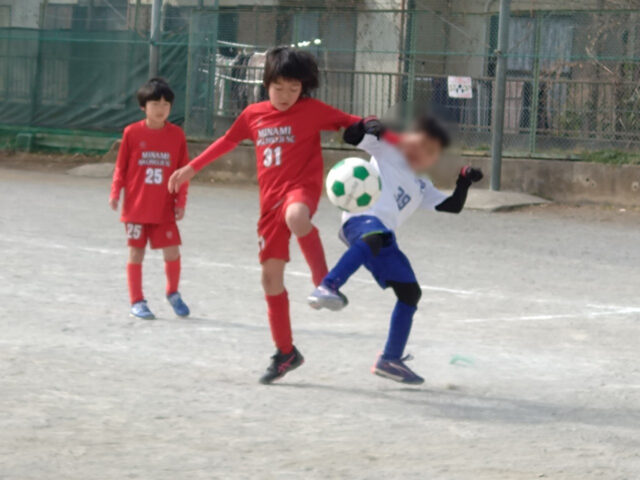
<point>79,80</point>
<point>572,80</point>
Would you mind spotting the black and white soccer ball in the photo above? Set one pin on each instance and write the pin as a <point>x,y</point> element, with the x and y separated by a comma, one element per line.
<point>353,185</point>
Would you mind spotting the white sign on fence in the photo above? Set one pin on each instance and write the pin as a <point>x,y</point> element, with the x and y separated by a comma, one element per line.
<point>460,87</point>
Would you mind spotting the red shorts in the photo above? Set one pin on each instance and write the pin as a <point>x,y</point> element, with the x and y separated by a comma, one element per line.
<point>159,235</point>
<point>273,232</point>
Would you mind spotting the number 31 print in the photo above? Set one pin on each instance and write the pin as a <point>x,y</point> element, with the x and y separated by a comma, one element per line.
<point>272,156</point>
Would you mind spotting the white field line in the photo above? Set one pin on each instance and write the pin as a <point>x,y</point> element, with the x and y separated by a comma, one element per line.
<point>201,261</point>
<point>619,311</point>
<point>453,291</point>
<point>600,309</point>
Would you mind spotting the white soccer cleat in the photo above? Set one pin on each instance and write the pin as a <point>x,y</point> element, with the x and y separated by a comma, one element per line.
<point>325,297</point>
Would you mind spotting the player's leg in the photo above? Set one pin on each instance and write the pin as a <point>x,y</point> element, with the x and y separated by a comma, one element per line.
<point>134,274</point>
<point>408,295</point>
<point>327,294</point>
<point>137,236</point>
<point>287,357</point>
<point>172,269</point>
<point>277,304</point>
<point>298,219</point>
<point>366,236</point>
<point>274,237</point>
<point>391,268</point>
<point>139,307</point>
<point>166,236</point>
<point>391,364</point>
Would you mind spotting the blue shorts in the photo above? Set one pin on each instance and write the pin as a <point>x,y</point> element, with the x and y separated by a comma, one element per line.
<point>390,265</point>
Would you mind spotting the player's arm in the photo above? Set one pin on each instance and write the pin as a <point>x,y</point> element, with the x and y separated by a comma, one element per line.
<point>236,133</point>
<point>120,172</point>
<point>370,134</point>
<point>455,202</point>
<point>332,118</point>
<point>181,199</point>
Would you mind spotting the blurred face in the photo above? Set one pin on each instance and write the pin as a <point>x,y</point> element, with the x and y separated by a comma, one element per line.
<point>157,112</point>
<point>421,151</point>
<point>284,93</point>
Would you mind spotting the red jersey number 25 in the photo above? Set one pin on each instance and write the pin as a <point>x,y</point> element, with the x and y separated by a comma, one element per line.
<point>153,176</point>
<point>272,157</point>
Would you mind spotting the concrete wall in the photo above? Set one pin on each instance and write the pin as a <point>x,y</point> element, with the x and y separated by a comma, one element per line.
<point>377,33</point>
<point>562,181</point>
<point>471,37</point>
<point>431,36</point>
<point>481,6</point>
<point>24,13</point>
<point>211,3</point>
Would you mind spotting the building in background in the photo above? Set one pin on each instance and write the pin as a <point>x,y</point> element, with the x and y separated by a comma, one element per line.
<point>572,65</point>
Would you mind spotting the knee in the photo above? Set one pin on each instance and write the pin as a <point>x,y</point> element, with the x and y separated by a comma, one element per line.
<point>272,282</point>
<point>136,255</point>
<point>408,293</point>
<point>298,219</point>
<point>171,254</point>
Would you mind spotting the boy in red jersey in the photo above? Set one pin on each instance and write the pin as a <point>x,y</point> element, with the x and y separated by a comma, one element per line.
<point>151,150</point>
<point>286,132</point>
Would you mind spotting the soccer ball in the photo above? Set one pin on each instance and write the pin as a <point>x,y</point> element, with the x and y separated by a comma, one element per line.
<point>353,185</point>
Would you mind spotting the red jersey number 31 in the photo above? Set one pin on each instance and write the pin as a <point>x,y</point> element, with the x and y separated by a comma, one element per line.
<point>272,157</point>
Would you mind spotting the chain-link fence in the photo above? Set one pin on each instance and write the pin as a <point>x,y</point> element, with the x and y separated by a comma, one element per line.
<point>572,67</point>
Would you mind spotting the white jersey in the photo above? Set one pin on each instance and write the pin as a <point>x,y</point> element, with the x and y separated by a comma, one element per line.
<point>403,192</point>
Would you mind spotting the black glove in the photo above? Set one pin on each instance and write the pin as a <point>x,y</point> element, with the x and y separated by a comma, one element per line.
<point>354,134</point>
<point>472,174</point>
<point>373,126</point>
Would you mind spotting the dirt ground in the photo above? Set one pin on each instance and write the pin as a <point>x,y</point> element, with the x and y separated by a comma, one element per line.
<point>527,335</point>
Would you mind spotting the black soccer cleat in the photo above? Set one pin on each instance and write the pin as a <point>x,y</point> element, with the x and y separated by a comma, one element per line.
<point>281,363</point>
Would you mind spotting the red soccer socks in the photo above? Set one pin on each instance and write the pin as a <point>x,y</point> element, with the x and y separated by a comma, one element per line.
<point>313,252</point>
<point>278,309</point>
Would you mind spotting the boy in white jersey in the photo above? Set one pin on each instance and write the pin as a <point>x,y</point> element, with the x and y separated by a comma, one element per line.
<point>370,235</point>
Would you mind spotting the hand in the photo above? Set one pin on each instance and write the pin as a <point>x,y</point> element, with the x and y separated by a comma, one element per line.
<point>113,203</point>
<point>179,211</point>
<point>472,174</point>
<point>179,177</point>
<point>354,134</point>
<point>373,126</point>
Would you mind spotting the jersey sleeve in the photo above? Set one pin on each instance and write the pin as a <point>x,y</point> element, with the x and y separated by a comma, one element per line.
<point>431,196</point>
<point>331,118</point>
<point>181,199</point>
<point>382,149</point>
<point>122,162</point>
<point>237,132</point>
<point>454,203</point>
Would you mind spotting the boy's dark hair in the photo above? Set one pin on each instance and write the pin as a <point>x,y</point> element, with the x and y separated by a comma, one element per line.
<point>288,63</point>
<point>155,89</point>
<point>433,129</point>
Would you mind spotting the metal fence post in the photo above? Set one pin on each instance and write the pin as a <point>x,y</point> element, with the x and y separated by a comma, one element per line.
<point>190,74</point>
<point>154,37</point>
<point>409,63</point>
<point>211,85</point>
<point>500,95</point>
<point>135,16</point>
<point>412,65</point>
<point>534,109</point>
<point>89,19</point>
